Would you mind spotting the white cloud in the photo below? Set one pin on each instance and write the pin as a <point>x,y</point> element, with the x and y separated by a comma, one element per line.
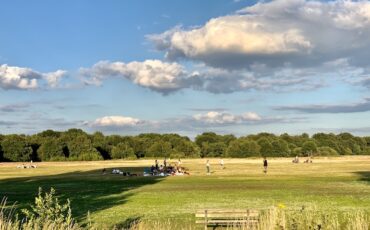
<point>13,77</point>
<point>295,32</point>
<point>214,117</point>
<point>115,121</point>
<point>54,78</point>
<point>159,76</point>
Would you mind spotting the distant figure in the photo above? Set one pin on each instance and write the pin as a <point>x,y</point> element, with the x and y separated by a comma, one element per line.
<point>296,160</point>
<point>165,162</point>
<point>309,160</point>
<point>156,164</point>
<point>222,163</point>
<point>265,164</point>
<point>208,168</point>
<point>103,171</point>
<point>179,162</point>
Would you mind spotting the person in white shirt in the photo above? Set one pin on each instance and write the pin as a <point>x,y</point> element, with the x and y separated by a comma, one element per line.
<point>208,166</point>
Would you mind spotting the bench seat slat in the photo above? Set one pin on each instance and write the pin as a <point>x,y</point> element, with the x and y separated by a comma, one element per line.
<point>226,221</point>
<point>227,215</point>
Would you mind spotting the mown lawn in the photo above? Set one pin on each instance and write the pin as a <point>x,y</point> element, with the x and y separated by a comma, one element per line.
<point>336,184</point>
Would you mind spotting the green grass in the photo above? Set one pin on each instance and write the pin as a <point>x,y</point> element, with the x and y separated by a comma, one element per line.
<point>329,184</point>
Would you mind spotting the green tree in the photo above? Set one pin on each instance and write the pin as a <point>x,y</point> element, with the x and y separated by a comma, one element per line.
<point>266,147</point>
<point>123,151</point>
<point>101,144</point>
<point>15,148</point>
<point>51,149</point>
<point>280,148</point>
<point>309,147</point>
<point>327,151</point>
<point>186,148</point>
<point>243,148</point>
<point>81,148</point>
<point>159,149</point>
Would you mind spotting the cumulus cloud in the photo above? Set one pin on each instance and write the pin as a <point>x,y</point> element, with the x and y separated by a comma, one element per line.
<point>295,32</point>
<point>118,121</point>
<point>54,78</point>
<point>13,77</point>
<point>164,77</point>
<point>168,77</point>
<point>348,108</point>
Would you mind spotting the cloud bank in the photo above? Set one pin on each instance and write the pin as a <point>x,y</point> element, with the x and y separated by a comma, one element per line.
<point>349,108</point>
<point>297,33</point>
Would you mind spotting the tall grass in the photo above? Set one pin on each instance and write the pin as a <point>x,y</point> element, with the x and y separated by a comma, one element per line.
<point>278,219</point>
<point>46,214</point>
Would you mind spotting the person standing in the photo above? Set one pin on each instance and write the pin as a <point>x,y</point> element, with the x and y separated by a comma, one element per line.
<point>208,167</point>
<point>265,165</point>
<point>222,163</point>
<point>156,165</point>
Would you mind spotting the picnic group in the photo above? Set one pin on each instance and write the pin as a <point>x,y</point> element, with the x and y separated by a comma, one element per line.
<point>166,169</point>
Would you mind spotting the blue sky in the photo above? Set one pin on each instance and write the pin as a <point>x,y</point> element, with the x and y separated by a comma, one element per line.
<point>187,67</point>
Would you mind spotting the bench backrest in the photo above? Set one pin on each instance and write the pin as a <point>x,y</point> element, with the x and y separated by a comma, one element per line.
<point>227,213</point>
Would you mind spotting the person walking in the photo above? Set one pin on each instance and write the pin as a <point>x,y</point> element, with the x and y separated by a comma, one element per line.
<point>265,165</point>
<point>208,167</point>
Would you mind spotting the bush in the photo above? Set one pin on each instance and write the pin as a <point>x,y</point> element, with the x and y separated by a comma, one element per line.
<point>46,213</point>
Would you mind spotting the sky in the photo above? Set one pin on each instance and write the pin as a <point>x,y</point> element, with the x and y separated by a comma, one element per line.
<point>186,67</point>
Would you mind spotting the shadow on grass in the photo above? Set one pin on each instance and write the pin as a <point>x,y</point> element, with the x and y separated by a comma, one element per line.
<point>364,176</point>
<point>88,191</point>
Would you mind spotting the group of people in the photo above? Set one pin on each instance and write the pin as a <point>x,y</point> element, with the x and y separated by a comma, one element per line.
<point>167,168</point>
<point>29,166</point>
<point>296,160</point>
<point>119,172</point>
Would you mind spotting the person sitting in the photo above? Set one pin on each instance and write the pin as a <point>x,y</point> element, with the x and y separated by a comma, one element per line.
<point>308,160</point>
<point>161,168</point>
<point>152,169</point>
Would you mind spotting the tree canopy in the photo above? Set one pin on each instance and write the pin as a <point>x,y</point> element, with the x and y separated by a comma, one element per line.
<point>75,144</point>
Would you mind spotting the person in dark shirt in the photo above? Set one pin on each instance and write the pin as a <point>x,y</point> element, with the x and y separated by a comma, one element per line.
<point>156,165</point>
<point>265,164</point>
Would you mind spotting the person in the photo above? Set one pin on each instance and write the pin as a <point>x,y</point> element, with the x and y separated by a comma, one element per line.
<point>296,160</point>
<point>152,169</point>
<point>156,164</point>
<point>265,164</point>
<point>165,163</point>
<point>179,162</point>
<point>222,163</point>
<point>104,171</point>
<point>208,168</point>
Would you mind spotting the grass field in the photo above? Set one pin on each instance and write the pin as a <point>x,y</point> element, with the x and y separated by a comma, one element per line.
<point>329,184</point>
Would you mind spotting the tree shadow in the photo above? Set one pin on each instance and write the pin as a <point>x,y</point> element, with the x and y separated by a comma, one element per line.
<point>88,191</point>
<point>364,176</point>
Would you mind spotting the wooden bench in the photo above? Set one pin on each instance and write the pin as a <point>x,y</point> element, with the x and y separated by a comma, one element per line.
<point>228,217</point>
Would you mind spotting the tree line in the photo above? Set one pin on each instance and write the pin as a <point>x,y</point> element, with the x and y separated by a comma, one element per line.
<point>75,144</point>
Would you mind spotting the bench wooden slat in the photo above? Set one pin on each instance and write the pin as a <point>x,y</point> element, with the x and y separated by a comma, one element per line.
<point>227,221</point>
<point>227,215</point>
<point>226,210</point>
